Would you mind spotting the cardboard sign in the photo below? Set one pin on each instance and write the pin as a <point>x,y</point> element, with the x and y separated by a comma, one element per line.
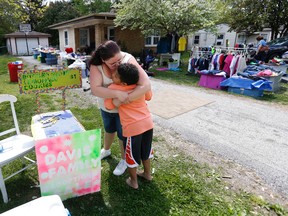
<point>69,165</point>
<point>44,80</point>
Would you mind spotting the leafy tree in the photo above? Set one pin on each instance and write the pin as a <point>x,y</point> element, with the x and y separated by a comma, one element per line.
<point>32,11</point>
<point>86,7</point>
<point>10,17</point>
<point>276,17</point>
<point>182,16</point>
<point>56,12</point>
<point>252,16</point>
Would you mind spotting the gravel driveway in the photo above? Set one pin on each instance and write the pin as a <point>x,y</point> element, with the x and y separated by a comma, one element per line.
<point>245,130</point>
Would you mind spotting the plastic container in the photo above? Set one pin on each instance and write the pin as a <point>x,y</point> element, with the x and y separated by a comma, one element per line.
<point>275,81</point>
<point>50,55</point>
<point>43,54</point>
<point>43,59</point>
<point>51,61</point>
<point>13,70</point>
<point>172,65</point>
<point>211,81</point>
<point>255,93</point>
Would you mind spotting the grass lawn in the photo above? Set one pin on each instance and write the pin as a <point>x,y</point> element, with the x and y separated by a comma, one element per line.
<point>180,185</point>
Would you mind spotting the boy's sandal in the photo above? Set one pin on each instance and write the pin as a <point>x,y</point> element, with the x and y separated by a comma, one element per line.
<point>128,181</point>
<point>142,176</point>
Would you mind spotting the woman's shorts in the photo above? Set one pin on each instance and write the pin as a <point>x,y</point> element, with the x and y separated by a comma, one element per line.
<point>112,123</point>
<point>138,148</point>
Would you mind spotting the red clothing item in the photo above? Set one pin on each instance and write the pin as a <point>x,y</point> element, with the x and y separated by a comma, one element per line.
<point>227,63</point>
<point>134,116</point>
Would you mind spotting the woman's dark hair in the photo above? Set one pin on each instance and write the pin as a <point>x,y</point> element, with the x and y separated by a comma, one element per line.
<point>128,73</point>
<point>104,51</point>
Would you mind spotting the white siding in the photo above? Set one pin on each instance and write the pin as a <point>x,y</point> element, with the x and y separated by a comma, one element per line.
<point>43,42</point>
<point>71,38</point>
<point>208,39</point>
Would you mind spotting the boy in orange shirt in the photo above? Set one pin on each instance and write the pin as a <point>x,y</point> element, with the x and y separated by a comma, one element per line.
<point>137,124</point>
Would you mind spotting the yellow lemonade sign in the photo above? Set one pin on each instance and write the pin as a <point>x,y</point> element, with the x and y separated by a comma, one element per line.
<point>44,80</point>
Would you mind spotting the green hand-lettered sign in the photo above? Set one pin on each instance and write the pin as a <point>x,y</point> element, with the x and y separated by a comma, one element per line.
<point>38,81</point>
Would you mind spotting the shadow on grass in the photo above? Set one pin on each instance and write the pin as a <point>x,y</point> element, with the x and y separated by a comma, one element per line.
<point>21,189</point>
<point>147,200</point>
<point>117,198</point>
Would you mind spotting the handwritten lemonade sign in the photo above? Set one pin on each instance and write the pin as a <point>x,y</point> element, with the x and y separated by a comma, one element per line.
<point>39,81</point>
<point>69,165</point>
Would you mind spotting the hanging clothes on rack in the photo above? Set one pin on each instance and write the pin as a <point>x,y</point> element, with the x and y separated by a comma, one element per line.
<point>217,61</point>
<point>241,64</point>
<point>227,63</point>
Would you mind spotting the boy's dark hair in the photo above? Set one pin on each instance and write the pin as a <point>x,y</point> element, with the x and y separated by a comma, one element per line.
<point>128,73</point>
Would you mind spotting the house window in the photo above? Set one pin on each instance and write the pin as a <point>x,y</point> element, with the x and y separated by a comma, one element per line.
<point>66,42</point>
<point>196,39</point>
<point>111,33</point>
<point>241,39</point>
<point>152,40</point>
<point>84,37</point>
<point>220,40</point>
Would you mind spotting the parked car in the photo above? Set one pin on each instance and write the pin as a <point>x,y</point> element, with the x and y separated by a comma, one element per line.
<point>277,47</point>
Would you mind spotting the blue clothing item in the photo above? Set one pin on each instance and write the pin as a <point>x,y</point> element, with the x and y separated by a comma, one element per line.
<point>262,43</point>
<point>112,123</point>
<point>174,69</point>
<point>203,64</point>
<point>245,83</point>
<point>262,85</point>
<point>149,59</point>
<point>163,45</point>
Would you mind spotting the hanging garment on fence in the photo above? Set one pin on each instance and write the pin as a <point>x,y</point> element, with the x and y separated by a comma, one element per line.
<point>182,44</point>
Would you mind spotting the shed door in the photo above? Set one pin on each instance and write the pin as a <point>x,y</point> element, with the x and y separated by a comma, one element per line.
<point>32,43</point>
<point>22,45</point>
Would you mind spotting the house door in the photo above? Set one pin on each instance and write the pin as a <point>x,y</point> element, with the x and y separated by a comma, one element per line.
<point>84,37</point>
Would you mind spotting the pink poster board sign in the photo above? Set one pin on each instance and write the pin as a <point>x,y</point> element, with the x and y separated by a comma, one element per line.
<point>69,165</point>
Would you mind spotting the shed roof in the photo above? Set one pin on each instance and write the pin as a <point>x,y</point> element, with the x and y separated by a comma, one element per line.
<point>31,34</point>
<point>92,19</point>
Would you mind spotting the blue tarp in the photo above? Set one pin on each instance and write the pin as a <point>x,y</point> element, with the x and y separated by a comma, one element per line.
<point>239,82</point>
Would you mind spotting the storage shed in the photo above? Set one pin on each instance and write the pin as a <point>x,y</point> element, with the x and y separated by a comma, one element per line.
<point>18,43</point>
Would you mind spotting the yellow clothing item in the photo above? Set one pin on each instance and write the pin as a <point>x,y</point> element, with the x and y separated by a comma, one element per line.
<point>182,44</point>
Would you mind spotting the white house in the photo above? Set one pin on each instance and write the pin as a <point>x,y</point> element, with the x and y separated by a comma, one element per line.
<point>223,38</point>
